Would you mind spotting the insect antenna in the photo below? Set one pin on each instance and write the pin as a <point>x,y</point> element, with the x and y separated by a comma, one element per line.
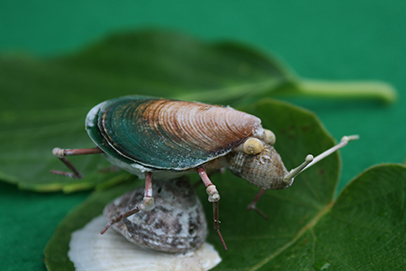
<point>296,171</point>
<point>310,160</point>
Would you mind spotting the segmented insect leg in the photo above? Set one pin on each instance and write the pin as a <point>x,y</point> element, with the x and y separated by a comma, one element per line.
<point>214,197</point>
<point>146,205</point>
<point>119,218</point>
<point>252,205</point>
<point>209,174</point>
<point>61,153</point>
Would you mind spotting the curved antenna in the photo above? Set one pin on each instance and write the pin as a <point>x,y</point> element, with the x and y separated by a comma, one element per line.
<point>310,160</point>
<point>296,171</point>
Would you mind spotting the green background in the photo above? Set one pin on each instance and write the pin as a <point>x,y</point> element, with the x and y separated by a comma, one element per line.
<point>341,40</point>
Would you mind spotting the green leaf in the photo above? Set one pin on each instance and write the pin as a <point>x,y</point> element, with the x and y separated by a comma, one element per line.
<point>45,101</point>
<point>188,69</point>
<point>363,229</point>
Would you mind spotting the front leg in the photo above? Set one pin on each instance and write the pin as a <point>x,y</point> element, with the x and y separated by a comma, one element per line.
<point>214,197</point>
<point>62,153</point>
<point>253,204</point>
<point>146,205</point>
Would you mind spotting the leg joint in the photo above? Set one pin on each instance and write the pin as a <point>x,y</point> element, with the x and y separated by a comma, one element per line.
<point>214,195</point>
<point>148,204</point>
<point>58,152</point>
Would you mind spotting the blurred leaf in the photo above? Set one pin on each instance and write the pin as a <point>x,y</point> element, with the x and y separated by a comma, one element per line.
<point>45,101</point>
<point>364,229</point>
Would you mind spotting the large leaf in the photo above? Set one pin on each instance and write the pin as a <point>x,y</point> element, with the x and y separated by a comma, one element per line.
<point>364,229</point>
<point>44,102</point>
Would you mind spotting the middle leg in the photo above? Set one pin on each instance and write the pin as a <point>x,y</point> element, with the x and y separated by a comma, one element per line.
<point>214,197</point>
<point>146,205</point>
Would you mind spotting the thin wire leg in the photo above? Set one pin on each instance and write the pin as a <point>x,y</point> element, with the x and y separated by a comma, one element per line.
<point>214,197</point>
<point>253,204</point>
<point>120,217</point>
<point>61,153</point>
<point>146,205</point>
<point>216,214</point>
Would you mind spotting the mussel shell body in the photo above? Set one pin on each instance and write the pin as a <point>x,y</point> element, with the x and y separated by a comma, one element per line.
<point>176,224</point>
<point>162,134</point>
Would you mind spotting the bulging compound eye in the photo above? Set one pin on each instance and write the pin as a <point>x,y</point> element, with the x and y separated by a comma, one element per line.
<point>269,137</point>
<point>253,146</point>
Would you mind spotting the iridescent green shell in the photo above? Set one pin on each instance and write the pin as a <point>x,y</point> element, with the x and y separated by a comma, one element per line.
<point>167,134</point>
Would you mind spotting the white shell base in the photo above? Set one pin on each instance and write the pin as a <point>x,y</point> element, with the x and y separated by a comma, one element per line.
<point>89,250</point>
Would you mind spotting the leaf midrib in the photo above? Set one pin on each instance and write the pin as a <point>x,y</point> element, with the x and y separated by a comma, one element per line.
<point>305,228</point>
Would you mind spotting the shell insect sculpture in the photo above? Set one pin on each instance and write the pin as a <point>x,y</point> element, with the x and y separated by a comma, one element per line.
<point>164,139</point>
<point>176,224</point>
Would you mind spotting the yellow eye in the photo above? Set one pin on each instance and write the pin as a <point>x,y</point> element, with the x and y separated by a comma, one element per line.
<point>253,146</point>
<point>269,137</point>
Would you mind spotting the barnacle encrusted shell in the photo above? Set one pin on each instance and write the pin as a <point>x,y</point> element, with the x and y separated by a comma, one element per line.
<point>265,170</point>
<point>91,251</point>
<point>176,224</point>
<point>167,134</point>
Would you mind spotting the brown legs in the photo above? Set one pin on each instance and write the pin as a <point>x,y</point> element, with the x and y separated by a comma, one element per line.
<point>148,202</point>
<point>146,205</point>
<point>252,205</point>
<point>214,197</point>
<point>61,153</point>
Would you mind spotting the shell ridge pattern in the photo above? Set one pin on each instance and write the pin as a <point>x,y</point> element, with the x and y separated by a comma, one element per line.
<point>106,134</point>
<point>169,131</point>
<point>173,135</point>
<point>108,126</point>
<point>209,121</point>
<point>195,127</point>
<point>177,222</point>
<point>230,125</point>
<point>171,128</point>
